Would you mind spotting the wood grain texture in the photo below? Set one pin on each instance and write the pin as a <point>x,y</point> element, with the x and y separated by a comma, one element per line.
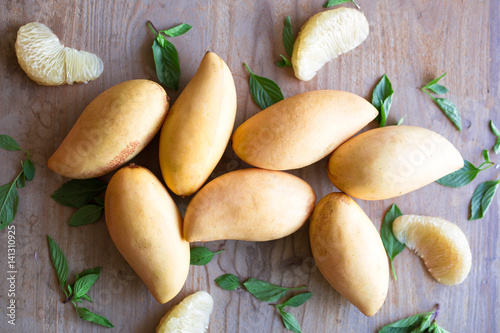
<point>411,41</point>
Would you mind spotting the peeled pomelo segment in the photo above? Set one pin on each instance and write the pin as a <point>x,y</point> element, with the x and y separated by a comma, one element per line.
<point>441,244</point>
<point>324,37</point>
<point>47,62</point>
<point>192,315</point>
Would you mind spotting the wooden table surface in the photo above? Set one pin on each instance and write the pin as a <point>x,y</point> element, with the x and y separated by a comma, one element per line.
<point>411,41</point>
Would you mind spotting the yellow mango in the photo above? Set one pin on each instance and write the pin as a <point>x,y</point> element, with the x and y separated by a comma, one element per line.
<point>250,204</point>
<point>349,252</point>
<point>302,129</point>
<point>146,227</point>
<point>111,130</point>
<point>390,161</point>
<point>198,127</point>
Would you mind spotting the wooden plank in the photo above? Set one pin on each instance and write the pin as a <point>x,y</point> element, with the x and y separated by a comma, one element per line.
<point>412,42</point>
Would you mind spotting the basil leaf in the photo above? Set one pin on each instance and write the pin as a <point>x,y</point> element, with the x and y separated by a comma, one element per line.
<point>87,297</point>
<point>228,281</point>
<point>289,321</point>
<point>86,215</point>
<point>288,39</point>
<point>382,99</point>
<point>405,325</point>
<point>78,192</point>
<point>96,270</point>
<point>166,62</point>
<point>426,322</point>
<point>392,246</point>
<point>201,255</point>
<point>99,201</point>
<point>460,177</point>
<point>400,122</point>
<point>59,261</point>
<point>486,156</point>
<point>181,29</point>
<point>481,199</point>
<point>70,290</point>
<point>297,300</point>
<point>332,3</point>
<point>83,284</point>
<point>495,131</point>
<point>92,317</point>
<point>9,200</point>
<point>265,92</point>
<point>450,110</point>
<point>265,291</point>
<point>433,82</point>
<point>21,180</point>
<point>284,62</point>
<point>29,170</point>
<point>8,143</point>
<point>438,89</point>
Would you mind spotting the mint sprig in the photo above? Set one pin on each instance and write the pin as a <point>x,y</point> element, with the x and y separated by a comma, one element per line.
<point>9,196</point>
<point>265,92</point>
<point>466,174</point>
<point>201,255</point>
<point>482,198</point>
<point>392,246</point>
<point>420,323</point>
<point>288,41</point>
<point>77,292</point>
<point>382,99</point>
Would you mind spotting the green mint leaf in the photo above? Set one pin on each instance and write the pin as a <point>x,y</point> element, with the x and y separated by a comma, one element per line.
<point>450,110</point>
<point>8,143</point>
<point>265,291</point>
<point>481,199</point>
<point>228,281</point>
<point>21,180</point>
<point>167,62</point>
<point>382,99</point>
<point>83,284</point>
<point>96,270</point>
<point>59,261</point>
<point>9,200</point>
<point>92,317</point>
<point>181,29</point>
<point>29,170</point>
<point>405,325</point>
<point>433,82</point>
<point>289,321</point>
<point>265,92</point>
<point>426,322</point>
<point>87,297</point>
<point>297,300</point>
<point>460,177</point>
<point>400,122</point>
<point>496,132</point>
<point>201,255</point>
<point>284,62</point>
<point>70,290</point>
<point>86,215</point>
<point>438,89</point>
<point>78,192</point>
<point>332,3</point>
<point>486,156</point>
<point>288,39</point>
<point>392,246</point>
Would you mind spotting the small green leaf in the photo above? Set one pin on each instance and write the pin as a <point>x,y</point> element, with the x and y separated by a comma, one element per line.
<point>83,284</point>
<point>495,131</point>
<point>332,3</point>
<point>96,270</point>
<point>400,122</point>
<point>460,177</point>
<point>21,180</point>
<point>438,89</point>
<point>181,29</point>
<point>284,62</point>
<point>297,300</point>
<point>288,39</point>
<point>87,297</point>
<point>265,291</point>
<point>426,322</point>
<point>9,200</point>
<point>405,325</point>
<point>8,143</point>
<point>433,82</point>
<point>392,246</point>
<point>450,110</point>
<point>265,92</point>
<point>99,201</point>
<point>166,62</point>
<point>92,317</point>
<point>228,281</point>
<point>289,321</point>
<point>59,261</point>
<point>70,290</point>
<point>78,192</point>
<point>86,215</point>
<point>481,199</point>
<point>486,156</point>
<point>201,255</point>
<point>29,170</point>
<point>382,99</point>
